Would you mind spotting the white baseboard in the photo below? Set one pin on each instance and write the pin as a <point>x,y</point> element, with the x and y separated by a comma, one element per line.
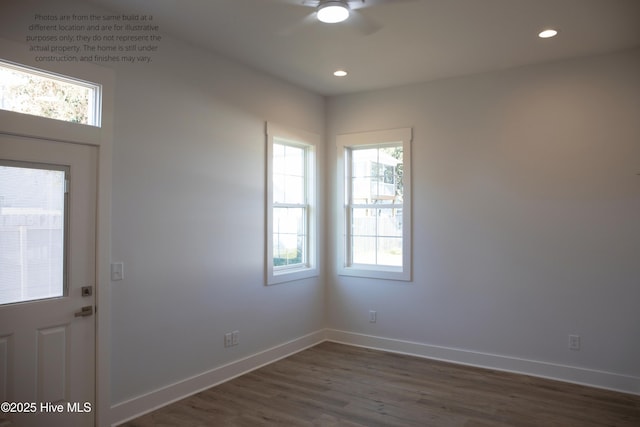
<point>133,408</point>
<point>130,409</point>
<point>589,377</point>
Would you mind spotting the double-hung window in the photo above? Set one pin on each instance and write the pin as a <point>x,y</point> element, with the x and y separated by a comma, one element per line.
<point>375,199</point>
<point>291,205</point>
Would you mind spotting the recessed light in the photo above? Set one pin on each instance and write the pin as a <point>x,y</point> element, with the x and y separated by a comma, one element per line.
<point>333,11</point>
<point>548,33</point>
<point>340,73</point>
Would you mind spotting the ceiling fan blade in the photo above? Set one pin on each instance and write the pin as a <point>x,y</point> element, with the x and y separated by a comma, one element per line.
<point>306,3</point>
<point>293,28</point>
<point>359,4</point>
<point>363,24</point>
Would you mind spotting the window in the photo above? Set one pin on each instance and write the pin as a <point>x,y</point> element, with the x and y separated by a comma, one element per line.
<point>32,231</point>
<point>375,194</point>
<point>291,205</point>
<point>30,91</point>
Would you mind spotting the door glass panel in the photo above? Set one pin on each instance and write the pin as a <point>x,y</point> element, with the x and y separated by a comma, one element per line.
<point>32,232</point>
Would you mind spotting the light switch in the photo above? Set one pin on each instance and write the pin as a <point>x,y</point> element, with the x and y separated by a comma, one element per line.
<point>117,271</point>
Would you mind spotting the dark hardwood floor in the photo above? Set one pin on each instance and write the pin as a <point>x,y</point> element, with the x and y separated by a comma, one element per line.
<point>338,385</point>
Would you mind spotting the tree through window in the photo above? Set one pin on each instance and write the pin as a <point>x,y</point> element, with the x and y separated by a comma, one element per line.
<point>29,91</point>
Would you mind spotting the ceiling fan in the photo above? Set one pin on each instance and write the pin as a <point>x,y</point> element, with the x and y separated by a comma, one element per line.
<point>334,11</point>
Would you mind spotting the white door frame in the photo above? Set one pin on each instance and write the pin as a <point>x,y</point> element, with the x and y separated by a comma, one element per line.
<point>102,137</point>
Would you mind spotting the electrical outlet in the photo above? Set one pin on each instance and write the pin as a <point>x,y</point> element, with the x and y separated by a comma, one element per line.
<point>574,342</point>
<point>231,338</point>
<point>373,316</point>
<point>228,339</point>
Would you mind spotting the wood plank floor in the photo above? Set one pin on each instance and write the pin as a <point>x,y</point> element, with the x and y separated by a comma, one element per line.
<point>338,385</point>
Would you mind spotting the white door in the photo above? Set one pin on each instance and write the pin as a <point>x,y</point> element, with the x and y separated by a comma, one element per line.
<point>47,256</point>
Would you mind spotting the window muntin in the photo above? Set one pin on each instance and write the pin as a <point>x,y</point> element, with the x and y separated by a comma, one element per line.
<point>376,241</point>
<point>375,206</point>
<point>291,223</point>
<point>30,91</point>
<point>290,206</point>
<point>33,218</point>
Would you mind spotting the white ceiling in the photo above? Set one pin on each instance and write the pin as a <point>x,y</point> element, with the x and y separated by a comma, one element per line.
<point>419,40</point>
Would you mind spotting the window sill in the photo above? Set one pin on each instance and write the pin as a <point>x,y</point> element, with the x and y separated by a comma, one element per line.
<point>376,272</point>
<point>282,276</point>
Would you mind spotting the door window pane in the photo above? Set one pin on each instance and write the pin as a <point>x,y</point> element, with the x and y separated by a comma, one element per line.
<point>32,233</point>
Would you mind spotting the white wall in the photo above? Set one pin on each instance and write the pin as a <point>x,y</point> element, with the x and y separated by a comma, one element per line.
<point>526,215</point>
<point>188,219</point>
<point>188,212</point>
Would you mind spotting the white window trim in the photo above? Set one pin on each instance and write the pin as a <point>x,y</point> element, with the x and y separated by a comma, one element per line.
<point>346,142</point>
<point>310,142</point>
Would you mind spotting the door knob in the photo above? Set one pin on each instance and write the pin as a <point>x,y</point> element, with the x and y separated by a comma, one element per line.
<point>87,310</point>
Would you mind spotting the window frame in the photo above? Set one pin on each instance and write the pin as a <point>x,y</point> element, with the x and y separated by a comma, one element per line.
<point>276,134</point>
<point>346,143</point>
<point>94,110</point>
